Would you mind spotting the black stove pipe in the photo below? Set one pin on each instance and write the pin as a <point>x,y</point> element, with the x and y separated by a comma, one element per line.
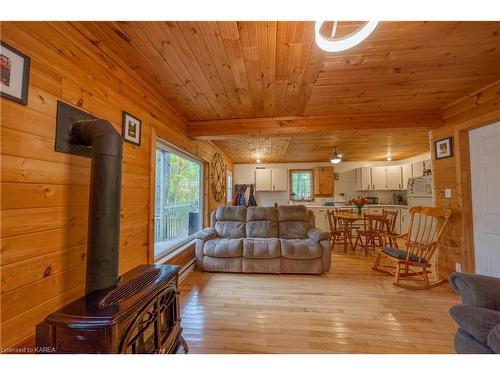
<point>103,241</point>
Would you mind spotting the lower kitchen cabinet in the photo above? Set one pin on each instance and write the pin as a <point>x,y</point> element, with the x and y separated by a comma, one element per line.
<point>321,218</point>
<point>404,220</point>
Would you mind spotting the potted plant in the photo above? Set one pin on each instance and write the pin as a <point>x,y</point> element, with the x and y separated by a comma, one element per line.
<point>359,202</point>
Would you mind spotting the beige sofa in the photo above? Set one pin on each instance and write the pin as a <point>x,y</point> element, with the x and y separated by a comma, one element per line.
<point>263,240</point>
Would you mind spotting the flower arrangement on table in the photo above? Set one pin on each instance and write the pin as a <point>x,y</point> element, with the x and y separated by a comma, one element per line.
<point>359,202</point>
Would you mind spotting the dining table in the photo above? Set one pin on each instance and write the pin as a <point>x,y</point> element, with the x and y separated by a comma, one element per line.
<point>348,218</point>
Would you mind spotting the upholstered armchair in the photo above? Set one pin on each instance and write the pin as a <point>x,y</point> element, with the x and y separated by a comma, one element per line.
<point>478,317</point>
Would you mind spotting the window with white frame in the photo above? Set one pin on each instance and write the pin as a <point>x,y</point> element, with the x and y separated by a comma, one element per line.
<point>178,198</point>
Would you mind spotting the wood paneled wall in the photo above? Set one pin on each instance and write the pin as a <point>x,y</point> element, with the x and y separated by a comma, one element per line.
<point>45,193</point>
<point>479,108</point>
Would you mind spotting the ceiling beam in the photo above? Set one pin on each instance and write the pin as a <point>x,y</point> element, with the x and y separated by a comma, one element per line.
<point>276,126</point>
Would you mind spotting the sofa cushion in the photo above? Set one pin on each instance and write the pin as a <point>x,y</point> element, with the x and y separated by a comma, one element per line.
<point>476,321</point>
<point>300,249</point>
<point>293,221</point>
<point>262,222</point>
<point>230,221</point>
<point>223,247</point>
<point>212,264</point>
<point>231,213</point>
<point>230,229</point>
<point>267,248</point>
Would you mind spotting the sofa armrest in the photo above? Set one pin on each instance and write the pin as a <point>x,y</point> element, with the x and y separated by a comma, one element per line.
<point>317,234</point>
<point>493,340</point>
<point>477,290</point>
<point>206,234</point>
<point>476,321</point>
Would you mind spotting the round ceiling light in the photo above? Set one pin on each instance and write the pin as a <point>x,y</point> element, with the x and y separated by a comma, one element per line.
<point>336,159</point>
<point>332,44</point>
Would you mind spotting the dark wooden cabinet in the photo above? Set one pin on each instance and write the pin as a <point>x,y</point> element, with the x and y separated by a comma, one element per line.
<point>323,181</point>
<point>140,315</point>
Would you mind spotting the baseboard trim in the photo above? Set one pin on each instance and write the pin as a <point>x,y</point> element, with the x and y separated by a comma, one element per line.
<point>186,270</point>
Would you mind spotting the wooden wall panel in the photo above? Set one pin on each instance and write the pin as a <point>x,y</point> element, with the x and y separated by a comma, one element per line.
<point>479,108</point>
<point>45,193</point>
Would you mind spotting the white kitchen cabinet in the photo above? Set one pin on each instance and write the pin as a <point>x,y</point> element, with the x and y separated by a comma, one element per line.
<point>279,177</point>
<point>375,210</point>
<point>427,164</point>
<point>244,175</point>
<point>364,178</point>
<point>406,173</point>
<point>404,221</point>
<point>418,169</point>
<point>263,180</point>
<point>394,178</point>
<point>321,218</point>
<point>271,179</point>
<point>379,178</point>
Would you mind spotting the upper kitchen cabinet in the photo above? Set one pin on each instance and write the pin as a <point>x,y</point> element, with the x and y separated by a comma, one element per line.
<point>271,179</point>
<point>363,178</point>
<point>406,173</point>
<point>379,178</point>
<point>394,177</point>
<point>279,178</point>
<point>263,180</point>
<point>428,166</point>
<point>323,181</point>
<point>382,178</point>
<point>418,169</point>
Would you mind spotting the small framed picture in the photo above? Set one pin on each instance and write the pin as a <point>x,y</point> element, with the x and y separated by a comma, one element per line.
<point>131,128</point>
<point>444,148</point>
<point>15,74</point>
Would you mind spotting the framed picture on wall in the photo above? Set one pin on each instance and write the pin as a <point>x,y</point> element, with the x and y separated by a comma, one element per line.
<point>131,128</point>
<point>15,73</point>
<point>444,148</point>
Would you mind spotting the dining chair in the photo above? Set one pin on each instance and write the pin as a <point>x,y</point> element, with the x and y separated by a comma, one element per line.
<point>372,232</point>
<point>336,231</point>
<point>346,228</point>
<point>389,230</point>
<point>425,229</point>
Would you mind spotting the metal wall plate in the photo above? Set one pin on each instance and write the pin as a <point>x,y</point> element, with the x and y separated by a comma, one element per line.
<point>66,116</point>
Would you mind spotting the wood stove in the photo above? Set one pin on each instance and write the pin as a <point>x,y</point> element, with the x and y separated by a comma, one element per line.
<point>139,315</point>
<point>135,313</point>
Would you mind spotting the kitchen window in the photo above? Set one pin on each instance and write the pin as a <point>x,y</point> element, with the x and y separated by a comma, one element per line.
<point>301,185</point>
<point>178,198</point>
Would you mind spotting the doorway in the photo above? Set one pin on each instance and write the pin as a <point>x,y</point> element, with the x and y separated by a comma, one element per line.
<point>484,148</point>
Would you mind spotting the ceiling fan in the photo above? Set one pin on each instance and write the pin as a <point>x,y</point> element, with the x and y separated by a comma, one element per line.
<point>336,157</point>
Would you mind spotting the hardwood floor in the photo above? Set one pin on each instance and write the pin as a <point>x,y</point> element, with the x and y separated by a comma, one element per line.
<point>350,310</point>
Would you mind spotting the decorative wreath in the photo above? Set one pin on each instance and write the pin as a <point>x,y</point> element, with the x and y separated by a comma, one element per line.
<point>218,177</point>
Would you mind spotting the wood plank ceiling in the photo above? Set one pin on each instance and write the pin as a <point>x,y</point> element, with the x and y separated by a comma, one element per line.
<point>257,70</point>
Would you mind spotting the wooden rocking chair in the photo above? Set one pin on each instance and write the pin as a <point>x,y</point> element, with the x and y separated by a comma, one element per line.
<point>425,230</point>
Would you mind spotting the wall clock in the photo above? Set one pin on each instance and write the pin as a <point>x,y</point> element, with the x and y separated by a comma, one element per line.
<point>218,177</point>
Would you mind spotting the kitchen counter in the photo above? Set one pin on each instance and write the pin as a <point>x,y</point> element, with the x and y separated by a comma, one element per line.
<point>353,206</point>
